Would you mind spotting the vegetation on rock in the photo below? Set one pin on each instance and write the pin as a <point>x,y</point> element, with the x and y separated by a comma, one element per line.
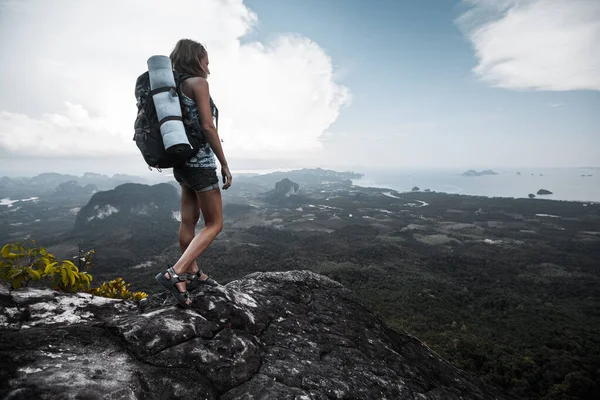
<point>23,263</point>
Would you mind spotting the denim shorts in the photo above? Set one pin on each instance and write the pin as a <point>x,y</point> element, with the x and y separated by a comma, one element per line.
<point>197,179</point>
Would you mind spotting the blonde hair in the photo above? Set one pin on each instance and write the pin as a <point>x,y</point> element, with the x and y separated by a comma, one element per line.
<point>186,57</point>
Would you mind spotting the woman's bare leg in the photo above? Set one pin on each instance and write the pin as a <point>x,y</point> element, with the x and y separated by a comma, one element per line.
<point>190,214</point>
<point>212,211</point>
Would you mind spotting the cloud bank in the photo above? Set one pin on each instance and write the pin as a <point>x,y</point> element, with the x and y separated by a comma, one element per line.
<point>535,44</point>
<point>77,62</point>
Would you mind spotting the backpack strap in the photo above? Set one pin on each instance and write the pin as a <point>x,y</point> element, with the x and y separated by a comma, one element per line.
<point>184,77</point>
<point>213,108</point>
<point>170,89</point>
<point>215,111</point>
<point>169,118</point>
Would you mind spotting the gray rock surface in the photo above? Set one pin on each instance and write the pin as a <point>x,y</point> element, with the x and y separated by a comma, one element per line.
<point>289,335</point>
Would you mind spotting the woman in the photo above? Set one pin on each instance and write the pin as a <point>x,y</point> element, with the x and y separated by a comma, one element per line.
<point>198,177</point>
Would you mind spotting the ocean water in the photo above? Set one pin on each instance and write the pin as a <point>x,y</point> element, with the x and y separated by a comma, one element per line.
<point>564,183</point>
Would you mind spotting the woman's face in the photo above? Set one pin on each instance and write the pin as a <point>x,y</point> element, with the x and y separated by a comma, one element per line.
<point>204,66</point>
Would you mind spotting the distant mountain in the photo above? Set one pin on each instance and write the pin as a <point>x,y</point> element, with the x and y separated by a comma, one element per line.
<point>286,188</point>
<point>37,185</point>
<point>73,190</point>
<point>47,183</point>
<point>306,177</point>
<point>283,190</point>
<point>128,201</point>
<point>129,223</point>
<point>51,179</point>
<point>472,172</point>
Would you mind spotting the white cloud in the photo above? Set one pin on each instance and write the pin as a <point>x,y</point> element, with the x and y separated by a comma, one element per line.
<point>535,44</point>
<point>77,61</point>
<point>72,132</point>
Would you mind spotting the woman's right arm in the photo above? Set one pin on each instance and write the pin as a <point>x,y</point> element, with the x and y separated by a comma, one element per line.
<point>202,99</point>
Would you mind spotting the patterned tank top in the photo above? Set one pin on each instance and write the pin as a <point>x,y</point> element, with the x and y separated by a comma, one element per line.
<point>204,158</point>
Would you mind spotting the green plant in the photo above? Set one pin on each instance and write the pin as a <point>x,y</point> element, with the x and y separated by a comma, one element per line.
<point>117,289</point>
<point>24,263</point>
<point>19,266</point>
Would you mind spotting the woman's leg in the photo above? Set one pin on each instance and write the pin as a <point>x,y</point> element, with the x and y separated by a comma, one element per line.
<point>190,214</point>
<point>212,212</point>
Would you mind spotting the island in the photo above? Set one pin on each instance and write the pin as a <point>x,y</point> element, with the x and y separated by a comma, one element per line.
<point>472,172</point>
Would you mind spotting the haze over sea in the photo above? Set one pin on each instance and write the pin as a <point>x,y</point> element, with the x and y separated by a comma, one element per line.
<point>564,183</point>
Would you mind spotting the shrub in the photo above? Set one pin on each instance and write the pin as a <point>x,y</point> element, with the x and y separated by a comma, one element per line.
<point>117,289</point>
<point>22,264</point>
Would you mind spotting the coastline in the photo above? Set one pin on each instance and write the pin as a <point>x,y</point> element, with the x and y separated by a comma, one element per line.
<point>493,186</point>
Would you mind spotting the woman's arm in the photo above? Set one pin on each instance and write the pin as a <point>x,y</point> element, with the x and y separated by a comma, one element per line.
<point>202,99</point>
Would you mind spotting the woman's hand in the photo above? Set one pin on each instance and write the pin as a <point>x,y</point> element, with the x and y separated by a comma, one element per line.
<point>226,176</point>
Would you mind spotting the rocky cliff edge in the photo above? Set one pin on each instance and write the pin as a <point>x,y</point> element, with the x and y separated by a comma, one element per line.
<point>277,335</point>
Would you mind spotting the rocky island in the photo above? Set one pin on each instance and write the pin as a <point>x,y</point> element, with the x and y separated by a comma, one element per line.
<point>543,192</point>
<point>472,172</point>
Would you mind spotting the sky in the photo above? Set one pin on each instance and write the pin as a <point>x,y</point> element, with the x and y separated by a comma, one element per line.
<point>342,84</point>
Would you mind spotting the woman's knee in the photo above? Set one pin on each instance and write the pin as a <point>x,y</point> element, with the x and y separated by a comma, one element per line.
<point>190,220</point>
<point>216,226</point>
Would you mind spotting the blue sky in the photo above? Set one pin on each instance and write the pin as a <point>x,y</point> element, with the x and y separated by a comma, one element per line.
<point>344,84</point>
<point>409,68</point>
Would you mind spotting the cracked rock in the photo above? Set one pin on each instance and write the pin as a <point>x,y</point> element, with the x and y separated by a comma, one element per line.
<point>275,335</point>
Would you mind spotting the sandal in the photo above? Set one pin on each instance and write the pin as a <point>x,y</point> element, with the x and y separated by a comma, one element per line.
<point>196,282</point>
<point>169,284</point>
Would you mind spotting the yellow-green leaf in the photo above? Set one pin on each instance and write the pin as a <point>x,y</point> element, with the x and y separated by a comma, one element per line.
<point>65,277</point>
<point>70,276</point>
<point>35,275</point>
<point>49,268</point>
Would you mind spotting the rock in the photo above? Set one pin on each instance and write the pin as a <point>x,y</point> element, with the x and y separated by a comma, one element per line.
<point>274,335</point>
<point>543,192</point>
<point>531,195</point>
<point>416,189</point>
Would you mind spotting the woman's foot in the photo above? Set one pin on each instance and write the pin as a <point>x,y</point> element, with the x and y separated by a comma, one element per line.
<point>200,278</point>
<point>176,284</point>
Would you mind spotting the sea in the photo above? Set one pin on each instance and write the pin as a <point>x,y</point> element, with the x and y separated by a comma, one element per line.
<point>572,184</point>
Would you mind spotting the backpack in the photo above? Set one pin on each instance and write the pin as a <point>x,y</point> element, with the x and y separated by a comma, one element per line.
<point>147,126</point>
